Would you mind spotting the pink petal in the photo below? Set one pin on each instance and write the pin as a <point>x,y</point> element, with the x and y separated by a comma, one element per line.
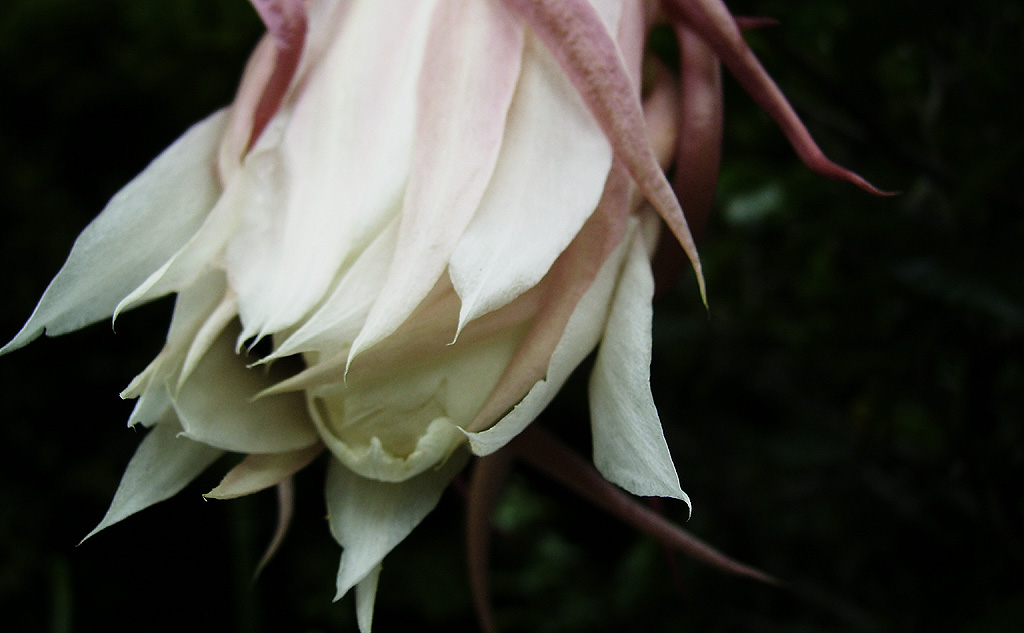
<point>285,510</point>
<point>699,148</point>
<point>577,37</point>
<point>711,20</point>
<point>544,452</point>
<point>489,475</point>
<point>286,23</point>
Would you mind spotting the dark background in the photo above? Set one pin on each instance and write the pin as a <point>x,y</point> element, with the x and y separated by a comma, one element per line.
<point>847,416</point>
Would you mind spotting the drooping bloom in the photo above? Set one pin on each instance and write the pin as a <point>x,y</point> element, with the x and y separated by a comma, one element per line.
<point>429,211</point>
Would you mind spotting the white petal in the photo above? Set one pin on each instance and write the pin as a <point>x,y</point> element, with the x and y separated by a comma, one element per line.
<point>549,178</point>
<point>463,104</point>
<point>216,406</point>
<point>341,166</point>
<point>369,518</point>
<point>140,228</point>
<point>582,333</point>
<point>336,323</point>
<point>152,405</point>
<point>163,464</point>
<point>192,313</point>
<point>629,444</point>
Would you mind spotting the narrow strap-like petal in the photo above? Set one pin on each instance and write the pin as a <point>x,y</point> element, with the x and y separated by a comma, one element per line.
<point>699,146</point>
<point>286,22</point>
<point>543,451</point>
<point>714,23</point>
<point>285,510</point>
<point>489,474</point>
<point>575,33</point>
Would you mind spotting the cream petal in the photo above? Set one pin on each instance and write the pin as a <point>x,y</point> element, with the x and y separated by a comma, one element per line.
<point>151,406</point>
<point>549,179</point>
<point>582,333</point>
<point>464,100</point>
<point>258,472</point>
<point>216,406</point>
<point>342,165</point>
<point>201,254</point>
<point>373,461</point>
<point>163,464</point>
<point>218,319</point>
<point>629,444</point>
<point>153,213</point>
<point>336,323</point>
<point>369,518</point>
<point>195,309</point>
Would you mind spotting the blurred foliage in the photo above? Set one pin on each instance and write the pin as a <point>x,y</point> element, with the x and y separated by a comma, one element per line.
<point>847,416</point>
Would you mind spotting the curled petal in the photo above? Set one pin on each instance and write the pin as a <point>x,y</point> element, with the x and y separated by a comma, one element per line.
<point>569,279</point>
<point>216,406</point>
<point>629,444</point>
<point>579,337</point>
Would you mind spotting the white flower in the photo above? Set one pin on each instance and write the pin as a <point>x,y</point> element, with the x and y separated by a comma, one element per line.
<point>431,205</point>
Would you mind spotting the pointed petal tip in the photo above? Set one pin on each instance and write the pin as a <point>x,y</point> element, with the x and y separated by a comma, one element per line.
<point>18,342</point>
<point>822,165</point>
<point>88,536</point>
